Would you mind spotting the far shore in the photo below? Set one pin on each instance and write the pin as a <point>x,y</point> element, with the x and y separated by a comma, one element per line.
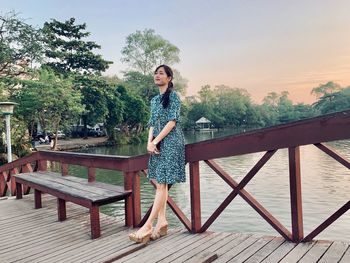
<point>75,143</point>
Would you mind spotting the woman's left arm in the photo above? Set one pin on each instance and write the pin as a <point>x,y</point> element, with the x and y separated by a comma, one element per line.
<point>165,131</point>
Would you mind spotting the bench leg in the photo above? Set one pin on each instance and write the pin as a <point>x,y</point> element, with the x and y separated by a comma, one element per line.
<point>61,209</point>
<point>37,199</point>
<point>95,221</point>
<point>18,191</point>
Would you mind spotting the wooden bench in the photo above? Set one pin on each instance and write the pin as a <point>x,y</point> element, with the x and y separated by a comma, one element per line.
<point>73,189</point>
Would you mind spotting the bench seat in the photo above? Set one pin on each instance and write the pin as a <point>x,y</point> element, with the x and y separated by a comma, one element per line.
<point>72,189</point>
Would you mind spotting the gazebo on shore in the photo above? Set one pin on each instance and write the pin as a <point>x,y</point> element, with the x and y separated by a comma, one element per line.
<point>203,124</point>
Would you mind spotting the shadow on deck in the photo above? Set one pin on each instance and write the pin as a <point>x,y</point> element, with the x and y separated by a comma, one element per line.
<point>29,235</point>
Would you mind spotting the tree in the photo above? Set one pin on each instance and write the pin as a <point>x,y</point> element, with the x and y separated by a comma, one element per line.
<point>325,89</point>
<point>20,45</point>
<point>135,111</point>
<point>333,102</point>
<point>232,104</point>
<point>51,98</point>
<point>67,51</point>
<point>142,85</point>
<point>145,50</point>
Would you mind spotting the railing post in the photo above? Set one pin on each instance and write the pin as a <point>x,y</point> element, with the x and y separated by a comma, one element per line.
<point>13,181</point>
<point>91,174</point>
<point>295,194</point>
<point>133,202</point>
<point>42,165</point>
<point>64,169</point>
<point>27,168</point>
<point>195,197</point>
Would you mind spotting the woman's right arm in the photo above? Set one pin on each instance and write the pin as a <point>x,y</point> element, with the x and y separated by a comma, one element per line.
<point>151,148</point>
<point>150,135</point>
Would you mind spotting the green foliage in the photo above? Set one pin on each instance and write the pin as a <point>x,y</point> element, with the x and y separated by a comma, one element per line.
<point>67,51</point>
<point>49,98</point>
<point>145,50</point>
<point>142,85</point>
<point>135,111</point>
<point>333,102</point>
<point>325,89</point>
<point>20,45</point>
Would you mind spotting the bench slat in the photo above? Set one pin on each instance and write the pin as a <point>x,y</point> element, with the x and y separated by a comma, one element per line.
<point>71,188</point>
<point>82,184</point>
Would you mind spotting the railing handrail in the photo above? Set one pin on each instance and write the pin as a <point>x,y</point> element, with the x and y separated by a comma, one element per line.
<point>325,128</point>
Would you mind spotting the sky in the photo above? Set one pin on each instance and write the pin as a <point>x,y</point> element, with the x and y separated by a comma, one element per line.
<point>259,45</point>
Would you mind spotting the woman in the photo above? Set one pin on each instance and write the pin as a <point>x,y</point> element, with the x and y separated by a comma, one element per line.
<point>166,147</point>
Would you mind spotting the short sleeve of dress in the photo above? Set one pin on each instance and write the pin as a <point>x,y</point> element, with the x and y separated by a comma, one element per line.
<point>174,107</point>
<point>151,122</point>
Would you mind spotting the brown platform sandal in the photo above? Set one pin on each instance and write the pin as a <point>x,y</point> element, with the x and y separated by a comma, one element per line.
<point>139,238</point>
<point>161,232</point>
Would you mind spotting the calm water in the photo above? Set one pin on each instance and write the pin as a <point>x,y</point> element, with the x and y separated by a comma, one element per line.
<point>325,188</point>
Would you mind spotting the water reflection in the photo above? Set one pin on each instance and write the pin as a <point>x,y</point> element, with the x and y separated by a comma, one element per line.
<point>325,188</point>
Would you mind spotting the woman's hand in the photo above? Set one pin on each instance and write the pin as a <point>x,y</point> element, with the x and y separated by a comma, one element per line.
<point>151,148</point>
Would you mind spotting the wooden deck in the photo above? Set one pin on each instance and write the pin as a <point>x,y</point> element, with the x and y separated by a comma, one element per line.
<point>29,235</point>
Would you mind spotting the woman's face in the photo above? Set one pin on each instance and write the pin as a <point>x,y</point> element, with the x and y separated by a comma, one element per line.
<point>161,78</point>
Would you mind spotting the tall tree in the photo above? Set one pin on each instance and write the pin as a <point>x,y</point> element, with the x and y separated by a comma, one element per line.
<point>325,89</point>
<point>68,51</point>
<point>51,98</point>
<point>145,50</point>
<point>20,45</point>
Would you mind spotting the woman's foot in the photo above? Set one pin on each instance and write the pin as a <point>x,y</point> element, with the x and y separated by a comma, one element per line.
<point>160,230</point>
<point>143,235</point>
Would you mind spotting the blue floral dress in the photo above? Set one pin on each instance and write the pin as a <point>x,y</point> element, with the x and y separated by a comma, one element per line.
<point>167,167</point>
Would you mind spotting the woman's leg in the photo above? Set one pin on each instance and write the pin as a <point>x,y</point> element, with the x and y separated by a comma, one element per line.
<point>158,204</point>
<point>162,212</point>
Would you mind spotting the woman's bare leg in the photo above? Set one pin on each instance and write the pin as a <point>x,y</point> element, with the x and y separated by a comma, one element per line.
<point>158,204</point>
<point>162,212</point>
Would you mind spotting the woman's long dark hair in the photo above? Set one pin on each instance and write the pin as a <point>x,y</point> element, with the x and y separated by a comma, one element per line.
<point>165,98</point>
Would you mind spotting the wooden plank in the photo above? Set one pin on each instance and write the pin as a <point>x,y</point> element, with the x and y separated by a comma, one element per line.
<point>173,241</point>
<point>247,253</point>
<point>163,248</point>
<point>224,241</point>
<point>48,186</point>
<point>74,183</point>
<point>71,250</point>
<point>316,252</point>
<point>205,246</point>
<point>91,251</point>
<point>280,252</point>
<point>266,250</point>
<point>203,257</point>
<point>346,256</point>
<point>334,253</point>
<point>237,249</point>
<point>114,251</point>
<point>186,247</point>
<point>298,252</point>
<point>69,194</point>
<point>232,244</point>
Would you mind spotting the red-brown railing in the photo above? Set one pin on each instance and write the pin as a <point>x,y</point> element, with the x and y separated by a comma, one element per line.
<point>293,135</point>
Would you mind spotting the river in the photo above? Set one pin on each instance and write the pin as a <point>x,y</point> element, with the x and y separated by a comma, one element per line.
<point>325,188</point>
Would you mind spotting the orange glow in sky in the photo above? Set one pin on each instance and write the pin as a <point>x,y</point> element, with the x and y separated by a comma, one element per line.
<point>260,46</point>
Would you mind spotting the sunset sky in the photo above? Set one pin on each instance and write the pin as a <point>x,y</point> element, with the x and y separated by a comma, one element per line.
<point>260,46</point>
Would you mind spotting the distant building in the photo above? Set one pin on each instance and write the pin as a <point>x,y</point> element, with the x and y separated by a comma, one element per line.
<point>203,124</point>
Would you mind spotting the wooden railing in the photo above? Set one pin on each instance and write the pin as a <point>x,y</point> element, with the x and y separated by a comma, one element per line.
<point>314,131</point>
